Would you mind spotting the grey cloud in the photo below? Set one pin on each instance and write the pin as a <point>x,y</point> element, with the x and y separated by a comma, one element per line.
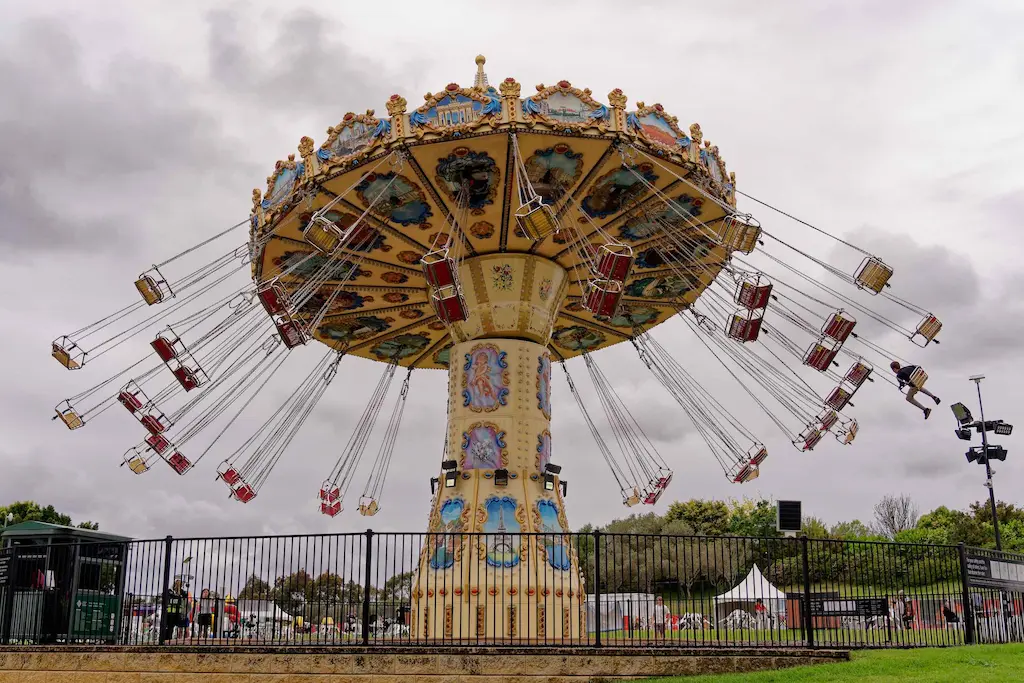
<point>74,141</point>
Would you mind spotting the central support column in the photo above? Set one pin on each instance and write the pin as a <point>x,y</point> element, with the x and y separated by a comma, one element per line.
<point>481,576</point>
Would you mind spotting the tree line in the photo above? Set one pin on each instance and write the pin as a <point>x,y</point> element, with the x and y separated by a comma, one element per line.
<point>701,546</point>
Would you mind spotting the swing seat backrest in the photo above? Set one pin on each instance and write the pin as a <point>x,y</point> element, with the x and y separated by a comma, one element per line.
<point>918,378</point>
<point>244,493</point>
<point>149,289</point>
<point>330,509</point>
<point>449,305</point>
<point>536,219</point>
<point>138,465</point>
<point>63,357</point>
<point>70,418</point>
<point>153,424</point>
<point>873,275</point>
<point>838,399</point>
<point>438,269</point>
<point>839,327</point>
<point>615,261</point>
<point>158,443</point>
<point>179,463</point>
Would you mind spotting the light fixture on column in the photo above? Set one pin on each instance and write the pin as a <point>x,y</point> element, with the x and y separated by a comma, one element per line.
<point>434,481</point>
<point>565,487</point>
<point>451,474</point>
<point>550,471</point>
<point>501,477</point>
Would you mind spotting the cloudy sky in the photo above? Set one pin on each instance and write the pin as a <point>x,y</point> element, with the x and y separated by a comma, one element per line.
<point>130,130</point>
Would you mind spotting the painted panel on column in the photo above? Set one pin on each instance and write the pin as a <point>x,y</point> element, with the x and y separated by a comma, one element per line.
<point>502,528</point>
<point>549,520</point>
<point>451,519</point>
<point>485,379</point>
<point>543,450</point>
<point>544,384</point>
<point>483,447</point>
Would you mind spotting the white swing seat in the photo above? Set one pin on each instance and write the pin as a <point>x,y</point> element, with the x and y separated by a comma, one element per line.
<point>69,416</point>
<point>926,331</point>
<point>873,274</point>
<point>368,507</point>
<point>536,219</point>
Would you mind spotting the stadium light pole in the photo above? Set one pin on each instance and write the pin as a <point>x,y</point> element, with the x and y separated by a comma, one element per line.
<point>988,468</point>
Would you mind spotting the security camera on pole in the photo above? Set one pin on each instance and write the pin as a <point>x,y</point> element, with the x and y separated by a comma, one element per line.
<point>983,454</point>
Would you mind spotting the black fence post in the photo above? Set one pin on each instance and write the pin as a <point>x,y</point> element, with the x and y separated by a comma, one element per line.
<point>165,590</point>
<point>597,588</point>
<point>966,596</point>
<point>806,607</point>
<point>366,587</point>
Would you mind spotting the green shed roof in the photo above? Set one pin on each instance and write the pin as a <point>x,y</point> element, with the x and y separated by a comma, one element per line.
<point>41,530</point>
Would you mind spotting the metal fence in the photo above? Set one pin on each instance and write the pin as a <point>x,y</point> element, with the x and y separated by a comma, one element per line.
<point>592,589</point>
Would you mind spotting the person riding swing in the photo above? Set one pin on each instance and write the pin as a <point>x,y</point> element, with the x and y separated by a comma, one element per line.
<point>904,376</point>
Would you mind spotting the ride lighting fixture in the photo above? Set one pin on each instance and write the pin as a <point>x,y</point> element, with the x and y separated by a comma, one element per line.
<point>449,465</point>
<point>963,433</point>
<point>565,488</point>
<point>550,471</point>
<point>501,477</point>
<point>450,477</point>
<point>962,413</point>
<point>434,481</point>
<point>1004,429</point>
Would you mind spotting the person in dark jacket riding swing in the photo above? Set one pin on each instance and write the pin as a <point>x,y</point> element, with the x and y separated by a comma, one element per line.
<point>903,375</point>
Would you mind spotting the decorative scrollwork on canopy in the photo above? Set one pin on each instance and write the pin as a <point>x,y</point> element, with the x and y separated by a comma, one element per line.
<point>565,108</point>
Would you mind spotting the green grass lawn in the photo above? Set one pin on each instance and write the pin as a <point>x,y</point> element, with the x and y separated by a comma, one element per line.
<point>974,664</point>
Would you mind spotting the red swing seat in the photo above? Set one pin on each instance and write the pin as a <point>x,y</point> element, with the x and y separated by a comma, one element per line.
<point>330,509</point>
<point>603,297</point>
<point>838,399</point>
<point>857,373</point>
<point>228,474</point>
<point>273,297</point>
<point>753,296</point>
<point>167,348</point>
<point>826,419</point>
<point>291,331</point>
<point>158,443</point>
<point>746,472</point>
<point>839,327</point>
<point>744,328</point>
<point>244,493</point>
<point>187,377</point>
<point>820,357</point>
<point>438,269</point>
<point>615,261</point>
<point>179,463</point>
<point>329,492</point>
<point>449,305</point>
<point>758,454</point>
<point>153,424</point>
<point>130,401</point>
<point>810,438</point>
<point>652,496</point>
<point>663,482</point>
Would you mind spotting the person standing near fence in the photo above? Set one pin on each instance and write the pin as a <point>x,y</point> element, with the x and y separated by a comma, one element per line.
<point>204,609</point>
<point>660,618</point>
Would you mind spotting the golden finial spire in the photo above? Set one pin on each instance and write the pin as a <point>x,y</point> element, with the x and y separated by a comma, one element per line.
<point>481,78</point>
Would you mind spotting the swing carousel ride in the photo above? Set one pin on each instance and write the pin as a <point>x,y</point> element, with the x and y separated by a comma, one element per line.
<point>492,236</point>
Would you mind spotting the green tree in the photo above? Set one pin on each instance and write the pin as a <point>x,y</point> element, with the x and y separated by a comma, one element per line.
<point>854,530</point>
<point>255,588</point>
<point>753,518</point>
<point>398,588</point>
<point>31,511</point>
<point>705,517</point>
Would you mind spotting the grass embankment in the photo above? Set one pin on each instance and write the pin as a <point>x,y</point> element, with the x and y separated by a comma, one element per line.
<point>976,664</point>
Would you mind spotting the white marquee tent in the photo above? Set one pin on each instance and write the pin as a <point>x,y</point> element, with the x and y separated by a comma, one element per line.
<point>746,593</point>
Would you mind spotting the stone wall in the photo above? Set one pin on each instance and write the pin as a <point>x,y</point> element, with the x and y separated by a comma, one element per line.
<point>381,664</point>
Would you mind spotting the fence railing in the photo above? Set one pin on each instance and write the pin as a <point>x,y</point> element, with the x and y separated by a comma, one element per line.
<point>591,589</point>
